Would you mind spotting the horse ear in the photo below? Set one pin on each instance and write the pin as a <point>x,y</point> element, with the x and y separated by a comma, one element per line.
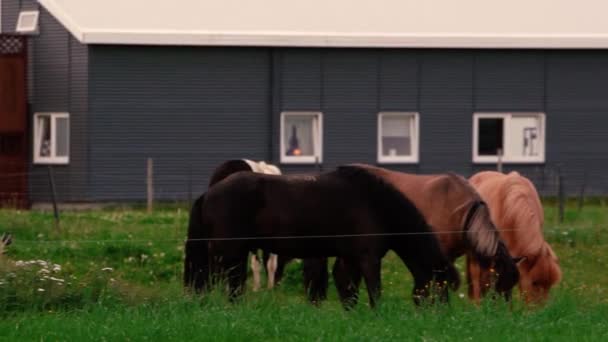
<point>520,259</point>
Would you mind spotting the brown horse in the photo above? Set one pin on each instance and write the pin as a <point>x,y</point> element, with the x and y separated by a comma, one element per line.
<point>458,216</point>
<point>516,209</point>
<point>348,213</point>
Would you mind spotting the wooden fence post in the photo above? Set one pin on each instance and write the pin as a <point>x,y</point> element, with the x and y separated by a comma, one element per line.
<point>150,183</point>
<point>560,194</point>
<point>53,196</point>
<point>499,164</point>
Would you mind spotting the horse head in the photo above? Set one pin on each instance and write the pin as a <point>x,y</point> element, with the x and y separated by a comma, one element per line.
<point>505,270</point>
<point>490,250</point>
<point>539,274</point>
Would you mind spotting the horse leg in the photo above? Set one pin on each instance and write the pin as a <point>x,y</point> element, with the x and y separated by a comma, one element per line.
<point>236,271</point>
<point>316,279</point>
<point>370,268</point>
<point>474,279</point>
<point>271,269</point>
<point>347,277</point>
<point>196,266</point>
<point>255,269</point>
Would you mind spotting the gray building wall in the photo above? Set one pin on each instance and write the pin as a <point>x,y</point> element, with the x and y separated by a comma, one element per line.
<point>187,108</point>
<point>200,106</point>
<point>190,108</point>
<point>57,82</point>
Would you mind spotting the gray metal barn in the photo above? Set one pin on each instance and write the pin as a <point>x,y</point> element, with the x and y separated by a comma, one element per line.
<point>112,83</point>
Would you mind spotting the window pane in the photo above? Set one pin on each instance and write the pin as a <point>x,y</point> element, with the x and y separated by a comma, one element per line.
<point>396,135</point>
<point>61,144</point>
<point>525,136</point>
<point>44,135</point>
<point>490,136</point>
<point>298,135</point>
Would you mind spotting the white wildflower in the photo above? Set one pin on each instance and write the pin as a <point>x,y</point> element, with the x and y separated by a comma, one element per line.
<point>40,290</point>
<point>144,257</point>
<point>461,295</point>
<point>19,263</point>
<point>59,280</point>
<point>44,271</point>
<point>108,269</point>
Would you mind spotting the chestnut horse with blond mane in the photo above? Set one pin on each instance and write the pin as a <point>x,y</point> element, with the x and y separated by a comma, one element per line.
<point>518,213</point>
<point>458,217</point>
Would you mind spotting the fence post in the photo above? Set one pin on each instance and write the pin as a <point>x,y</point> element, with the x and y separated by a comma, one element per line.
<point>581,195</point>
<point>499,164</point>
<point>53,196</point>
<point>150,183</point>
<point>189,185</point>
<point>560,194</point>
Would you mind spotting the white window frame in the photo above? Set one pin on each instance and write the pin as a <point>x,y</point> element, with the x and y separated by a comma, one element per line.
<point>415,139</point>
<point>317,144</point>
<point>506,116</point>
<point>31,29</point>
<point>53,159</point>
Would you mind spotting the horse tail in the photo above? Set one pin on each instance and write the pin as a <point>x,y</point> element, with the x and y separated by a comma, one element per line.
<point>196,262</point>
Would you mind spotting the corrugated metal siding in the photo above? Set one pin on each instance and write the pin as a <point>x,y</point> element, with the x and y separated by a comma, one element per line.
<point>57,79</point>
<point>446,87</point>
<point>10,13</point>
<point>187,108</point>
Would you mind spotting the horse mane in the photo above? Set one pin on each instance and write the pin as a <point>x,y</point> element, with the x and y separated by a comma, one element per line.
<point>481,232</point>
<point>232,166</point>
<point>395,211</point>
<point>522,210</point>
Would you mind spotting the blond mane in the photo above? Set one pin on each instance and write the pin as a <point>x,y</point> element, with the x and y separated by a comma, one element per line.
<point>522,210</point>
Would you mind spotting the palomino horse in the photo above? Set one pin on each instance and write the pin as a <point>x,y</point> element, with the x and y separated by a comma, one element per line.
<point>224,170</point>
<point>458,216</point>
<point>517,211</point>
<point>349,213</point>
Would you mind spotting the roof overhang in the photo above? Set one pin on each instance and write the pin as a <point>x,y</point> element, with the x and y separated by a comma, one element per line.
<point>338,23</point>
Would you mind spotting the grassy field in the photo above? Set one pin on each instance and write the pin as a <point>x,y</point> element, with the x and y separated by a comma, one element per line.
<point>116,275</point>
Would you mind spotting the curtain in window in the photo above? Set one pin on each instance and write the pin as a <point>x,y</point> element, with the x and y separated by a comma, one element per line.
<point>396,135</point>
<point>299,135</point>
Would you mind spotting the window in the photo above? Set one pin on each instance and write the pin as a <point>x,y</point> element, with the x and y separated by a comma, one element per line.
<point>27,22</point>
<point>51,138</point>
<point>398,137</point>
<point>520,137</point>
<point>301,137</point>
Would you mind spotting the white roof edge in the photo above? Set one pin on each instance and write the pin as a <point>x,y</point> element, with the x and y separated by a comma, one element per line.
<point>353,40</point>
<point>88,33</point>
<point>63,18</point>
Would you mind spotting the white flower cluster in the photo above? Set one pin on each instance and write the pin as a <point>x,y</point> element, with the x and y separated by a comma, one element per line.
<point>45,265</point>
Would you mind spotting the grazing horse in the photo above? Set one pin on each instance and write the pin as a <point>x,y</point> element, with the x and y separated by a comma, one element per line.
<point>224,170</point>
<point>458,216</point>
<point>349,213</point>
<point>517,211</point>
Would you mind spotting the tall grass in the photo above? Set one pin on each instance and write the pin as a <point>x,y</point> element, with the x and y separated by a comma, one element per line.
<point>119,276</point>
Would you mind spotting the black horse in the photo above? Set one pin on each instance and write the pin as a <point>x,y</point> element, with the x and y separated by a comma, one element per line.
<point>224,170</point>
<point>349,213</point>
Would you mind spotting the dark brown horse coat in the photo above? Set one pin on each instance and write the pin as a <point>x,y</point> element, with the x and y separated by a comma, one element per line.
<point>459,218</point>
<point>348,213</point>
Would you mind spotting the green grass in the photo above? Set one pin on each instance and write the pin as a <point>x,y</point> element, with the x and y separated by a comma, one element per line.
<point>141,297</point>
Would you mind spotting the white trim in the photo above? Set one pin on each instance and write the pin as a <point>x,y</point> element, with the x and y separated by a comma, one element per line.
<point>414,138</point>
<point>29,29</point>
<point>506,116</point>
<point>53,159</point>
<point>317,140</point>
<point>468,24</point>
